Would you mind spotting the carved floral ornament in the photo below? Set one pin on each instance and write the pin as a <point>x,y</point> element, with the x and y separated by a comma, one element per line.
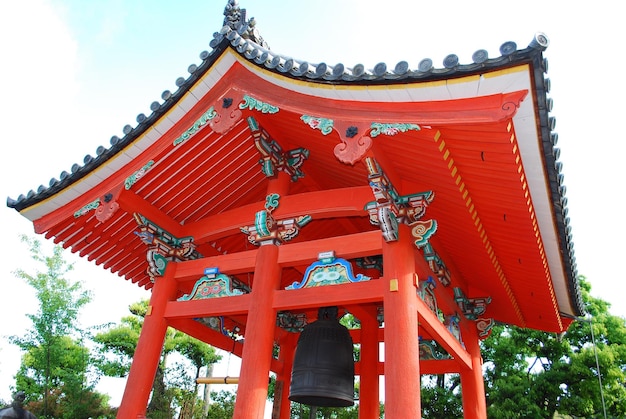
<point>223,116</point>
<point>354,141</point>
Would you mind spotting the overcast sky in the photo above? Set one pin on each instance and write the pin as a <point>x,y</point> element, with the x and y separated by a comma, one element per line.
<point>74,73</point>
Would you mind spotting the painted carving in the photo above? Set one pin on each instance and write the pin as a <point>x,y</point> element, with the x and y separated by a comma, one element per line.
<point>426,291</point>
<point>134,178</point>
<point>163,246</point>
<point>224,120</point>
<point>215,287</point>
<point>428,351</point>
<point>104,207</point>
<point>107,208</point>
<point>472,308</point>
<point>328,271</point>
<point>484,327</point>
<point>437,265</point>
<point>325,125</point>
<point>90,206</point>
<point>216,323</point>
<point>268,230</point>
<point>273,158</point>
<point>352,147</point>
<point>422,231</point>
<point>197,126</point>
<point>371,262</point>
<point>291,322</point>
<point>452,324</point>
<point>256,105</point>
<point>390,208</point>
<point>378,128</point>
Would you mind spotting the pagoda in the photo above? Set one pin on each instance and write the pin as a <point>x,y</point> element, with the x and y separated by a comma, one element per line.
<point>428,203</point>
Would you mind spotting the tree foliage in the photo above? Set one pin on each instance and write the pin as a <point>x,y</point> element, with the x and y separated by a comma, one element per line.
<point>173,385</point>
<point>533,374</point>
<point>55,368</point>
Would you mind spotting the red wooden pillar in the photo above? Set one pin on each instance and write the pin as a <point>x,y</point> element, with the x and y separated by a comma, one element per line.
<point>369,392</point>
<point>282,404</point>
<point>259,335</point>
<point>402,370</point>
<point>472,381</point>
<point>148,352</point>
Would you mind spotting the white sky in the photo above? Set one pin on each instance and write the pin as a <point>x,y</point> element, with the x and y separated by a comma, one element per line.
<point>74,73</point>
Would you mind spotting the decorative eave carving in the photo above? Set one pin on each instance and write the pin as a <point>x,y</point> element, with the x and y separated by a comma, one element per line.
<point>472,308</point>
<point>163,246</point>
<point>437,265</point>
<point>273,158</point>
<point>267,230</point>
<point>390,208</point>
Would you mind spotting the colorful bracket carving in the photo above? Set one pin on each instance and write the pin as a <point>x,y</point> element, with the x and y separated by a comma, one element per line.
<point>390,208</point>
<point>273,158</point>
<point>291,322</point>
<point>472,308</point>
<point>268,230</point>
<point>437,265</point>
<point>163,246</point>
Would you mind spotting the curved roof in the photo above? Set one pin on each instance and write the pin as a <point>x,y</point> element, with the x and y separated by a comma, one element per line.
<point>485,146</point>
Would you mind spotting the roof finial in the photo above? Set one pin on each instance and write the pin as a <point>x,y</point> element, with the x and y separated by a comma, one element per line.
<point>235,18</point>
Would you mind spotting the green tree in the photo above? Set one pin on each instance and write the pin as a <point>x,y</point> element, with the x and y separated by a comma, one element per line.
<point>223,405</point>
<point>533,374</point>
<point>54,372</point>
<point>172,384</point>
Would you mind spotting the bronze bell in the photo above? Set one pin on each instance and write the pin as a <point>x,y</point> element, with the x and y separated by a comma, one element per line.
<point>323,365</point>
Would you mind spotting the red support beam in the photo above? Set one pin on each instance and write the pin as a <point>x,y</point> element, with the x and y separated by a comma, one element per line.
<point>224,306</point>
<point>334,203</point>
<point>332,295</point>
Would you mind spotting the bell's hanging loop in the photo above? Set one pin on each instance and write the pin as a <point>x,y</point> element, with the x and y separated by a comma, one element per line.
<point>323,366</point>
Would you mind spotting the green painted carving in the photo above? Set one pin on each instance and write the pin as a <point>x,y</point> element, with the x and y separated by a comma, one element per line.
<point>323,124</point>
<point>271,201</point>
<point>163,246</point>
<point>132,179</point>
<point>328,272</point>
<point>90,206</point>
<point>257,105</point>
<point>389,209</point>
<point>437,265</point>
<point>273,158</point>
<point>214,287</point>
<point>391,129</point>
<point>429,350</point>
<point>472,308</point>
<point>197,126</point>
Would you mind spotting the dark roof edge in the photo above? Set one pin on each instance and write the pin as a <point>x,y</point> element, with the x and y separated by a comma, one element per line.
<point>241,41</point>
